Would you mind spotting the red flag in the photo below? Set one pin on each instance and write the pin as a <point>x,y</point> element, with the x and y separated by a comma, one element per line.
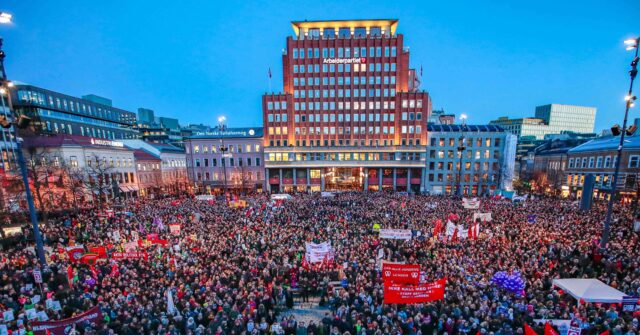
<point>437,228</point>
<point>70,275</point>
<point>528,330</point>
<point>606,332</point>
<point>75,252</point>
<point>100,251</point>
<point>548,330</point>
<point>89,259</point>
<point>455,235</point>
<point>305,264</point>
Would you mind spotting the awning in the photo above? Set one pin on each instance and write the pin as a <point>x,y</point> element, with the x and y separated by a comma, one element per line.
<point>124,188</point>
<point>133,188</point>
<point>589,290</point>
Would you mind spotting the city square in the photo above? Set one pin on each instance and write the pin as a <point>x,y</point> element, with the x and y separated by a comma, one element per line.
<point>333,195</point>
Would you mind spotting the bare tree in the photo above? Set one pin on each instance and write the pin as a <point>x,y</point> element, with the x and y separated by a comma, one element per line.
<point>74,183</point>
<point>43,169</point>
<point>98,178</point>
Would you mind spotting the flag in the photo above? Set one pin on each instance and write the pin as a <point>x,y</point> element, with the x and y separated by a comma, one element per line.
<point>455,235</point>
<point>171,308</point>
<point>70,275</point>
<point>548,330</point>
<point>528,330</point>
<point>75,252</point>
<point>473,231</point>
<point>606,332</point>
<point>269,72</point>
<point>420,70</point>
<point>437,228</point>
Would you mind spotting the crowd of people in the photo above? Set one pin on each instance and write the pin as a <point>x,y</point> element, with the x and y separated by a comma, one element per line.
<point>239,270</point>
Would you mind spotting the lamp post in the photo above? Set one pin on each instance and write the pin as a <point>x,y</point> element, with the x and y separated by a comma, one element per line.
<point>461,149</point>
<point>630,98</point>
<point>21,123</point>
<point>223,149</point>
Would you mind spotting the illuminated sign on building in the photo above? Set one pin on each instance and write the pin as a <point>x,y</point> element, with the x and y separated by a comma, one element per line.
<point>108,143</point>
<point>355,60</point>
<point>227,133</point>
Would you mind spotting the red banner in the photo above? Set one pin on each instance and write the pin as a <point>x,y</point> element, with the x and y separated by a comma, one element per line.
<point>92,316</point>
<point>100,251</point>
<point>401,294</point>
<point>129,255</point>
<point>401,273</point>
<point>75,253</point>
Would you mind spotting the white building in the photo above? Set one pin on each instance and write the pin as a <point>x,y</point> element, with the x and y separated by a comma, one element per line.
<point>174,163</point>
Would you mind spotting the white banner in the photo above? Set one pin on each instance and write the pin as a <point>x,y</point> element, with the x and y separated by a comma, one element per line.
<point>484,217</point>
<point>396,234</point>
<point>316,252</point>
<point>472,203</point>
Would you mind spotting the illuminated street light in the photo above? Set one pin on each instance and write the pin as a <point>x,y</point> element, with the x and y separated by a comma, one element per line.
<point>5,18</point>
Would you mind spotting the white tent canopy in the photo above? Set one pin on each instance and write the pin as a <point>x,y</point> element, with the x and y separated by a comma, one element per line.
<point>589,290</point>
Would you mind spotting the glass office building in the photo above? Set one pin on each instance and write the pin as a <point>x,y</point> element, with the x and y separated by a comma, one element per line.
<point>58,113</point>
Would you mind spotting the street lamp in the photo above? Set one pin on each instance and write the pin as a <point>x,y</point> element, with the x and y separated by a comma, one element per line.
<point>461,148</point>
<point>630,98</point>
<point>5,18</point>
<point>21,123</point>
<point>223,149</point>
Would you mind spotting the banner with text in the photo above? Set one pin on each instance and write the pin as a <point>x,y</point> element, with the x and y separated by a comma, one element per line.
<point>472,203</point>
<point>401,273</point>
<point>316,252</point>
<point>395,234</point>
<point>401,294</point>
<point>484,217</point>
<point>63,327</point>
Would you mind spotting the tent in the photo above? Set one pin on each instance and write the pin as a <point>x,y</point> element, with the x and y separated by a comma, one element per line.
<point>589,290</point>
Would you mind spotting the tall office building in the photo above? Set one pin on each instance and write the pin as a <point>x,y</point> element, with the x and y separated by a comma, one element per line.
<point>145,116</point>
<point>551,119</point>
<point>351,115</point>
<point>58,113</point>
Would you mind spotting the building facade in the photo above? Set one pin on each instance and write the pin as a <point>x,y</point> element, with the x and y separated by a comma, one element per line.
<point>598,157</point>
<point>551,119</point>
<point>173,167</point>
<point>477,159</point>
<point>80,168</point>
<point>242,163</point>
<point>149,173</point>
<point>351,116</point>
<point>57,113</point>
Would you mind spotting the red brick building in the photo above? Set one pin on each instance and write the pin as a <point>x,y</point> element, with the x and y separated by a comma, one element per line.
<point>351,115</point>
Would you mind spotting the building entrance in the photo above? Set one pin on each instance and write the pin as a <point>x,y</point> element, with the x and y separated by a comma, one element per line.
<point>343,179</point>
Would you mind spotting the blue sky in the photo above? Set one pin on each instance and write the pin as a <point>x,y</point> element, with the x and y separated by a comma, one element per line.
<point>196,60</point>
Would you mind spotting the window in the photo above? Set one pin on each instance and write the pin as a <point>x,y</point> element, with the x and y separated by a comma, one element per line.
<point>633,161</point>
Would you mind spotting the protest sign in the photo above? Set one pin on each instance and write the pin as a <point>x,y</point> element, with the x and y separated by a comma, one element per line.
<point>395,234</point>
<point>129,255</point>
<point>484,217</point>
<point>401,273</point>
<point>414,294</point>
<point>174,229</point>
<point>316,252</point>
<point>61,327</point>
<point>472,203</point>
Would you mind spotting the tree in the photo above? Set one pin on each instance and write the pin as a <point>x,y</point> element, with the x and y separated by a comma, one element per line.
<point>74,183</point>
<point>43,170</point>
<point>98,178</point>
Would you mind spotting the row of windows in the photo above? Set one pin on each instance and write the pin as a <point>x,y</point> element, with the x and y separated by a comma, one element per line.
<point>232,162</point>
<point>363,80</point>
<point>234,178</point>
<point>345,156</point>
<point>600,180</point>
<point>148,166</point>
<point>277,105</point>
<point>385,117</point>
<point>356,93</point>
<point>239,148</point>
<point>345,130</point>
<point>597,162</point>
<point>466,178</point>
<point>84,131</point>
<point>74,106</point>
<point>331,68</point>
<point>467,166</point>
<point>345,142</point>
<point>299,53</point>
<point>469,154</point>
<point>453,142</point>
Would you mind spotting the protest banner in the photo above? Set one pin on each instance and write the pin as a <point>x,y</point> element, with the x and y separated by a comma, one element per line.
<point>129,255</point>
<point>414,294</point>
<point>62,327</point>
<point>174,229</point>
<point>75,252</point>
<point>401,273</point>
<point>472,203</point>
<point>484,217</point>
<point>316,252</point>
<point>101,251</point>
<point>395,234</point>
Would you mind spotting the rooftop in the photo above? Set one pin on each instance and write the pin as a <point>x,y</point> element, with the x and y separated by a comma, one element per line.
<point>63,140</point>
<point>335,24</point>
<point>608,143</point>
<point>141,154</point>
